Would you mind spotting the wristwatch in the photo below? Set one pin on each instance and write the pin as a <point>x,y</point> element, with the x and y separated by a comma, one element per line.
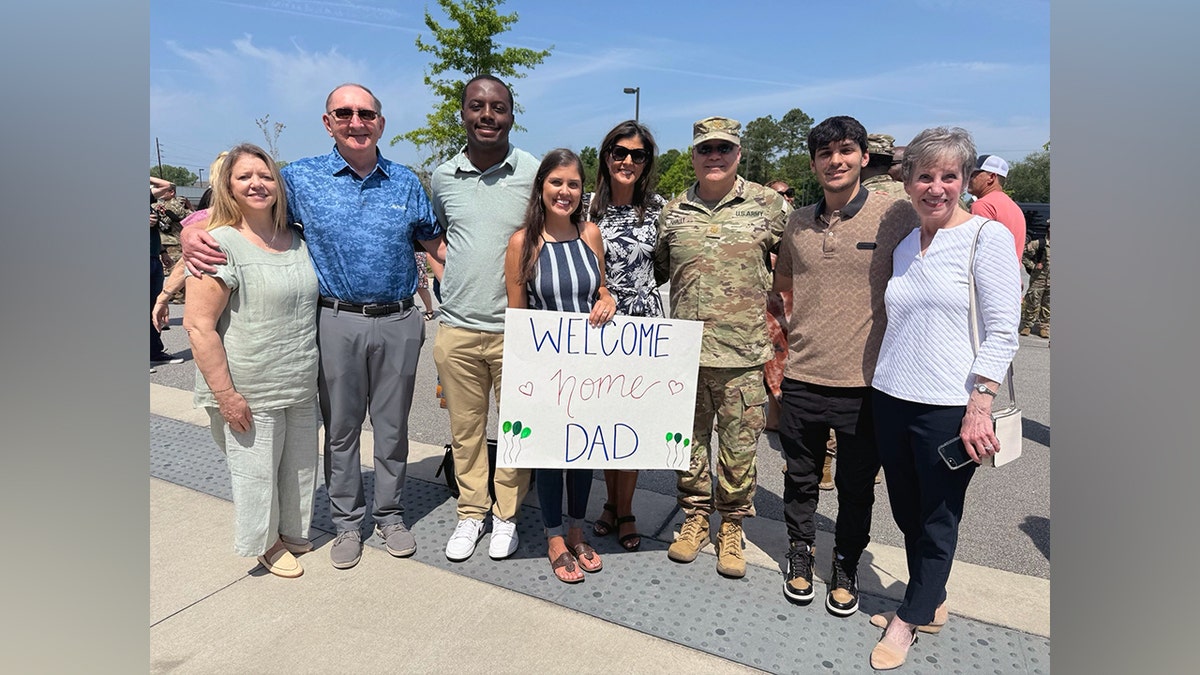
<point>982,388</point>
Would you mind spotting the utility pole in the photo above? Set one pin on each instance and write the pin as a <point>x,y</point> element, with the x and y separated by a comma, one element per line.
<point>158,150</point>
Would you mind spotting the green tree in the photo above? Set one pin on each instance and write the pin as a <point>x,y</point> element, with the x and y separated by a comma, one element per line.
<point>1029,179</point>
<point>176,174</point>
<point>793,132</point>
<point>760,143</point>
<point>677,177</point>
<point>467,48</point>
<point>796,169</point>
<point>591,164</point>
<point>664,162</point>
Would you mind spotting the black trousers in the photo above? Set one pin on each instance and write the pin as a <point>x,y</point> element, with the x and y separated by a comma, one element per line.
<point>808,412</point>
<point>926,495</point>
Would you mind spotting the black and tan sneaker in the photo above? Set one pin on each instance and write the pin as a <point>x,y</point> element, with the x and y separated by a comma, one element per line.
<point>731,559</point>
<point>693,536</point>
<point>797,583</point>
<point>842,598</point>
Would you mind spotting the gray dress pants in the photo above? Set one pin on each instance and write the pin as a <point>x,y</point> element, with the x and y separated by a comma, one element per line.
<point>367,363</point>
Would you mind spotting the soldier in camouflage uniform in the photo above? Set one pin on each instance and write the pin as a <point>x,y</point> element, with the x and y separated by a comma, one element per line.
<point>713,244</point>
<point>876,175</point>
<point>172,209</point>
<point>1036,312</point>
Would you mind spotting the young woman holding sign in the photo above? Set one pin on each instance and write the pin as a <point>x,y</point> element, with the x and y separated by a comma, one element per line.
<point>556,262</point>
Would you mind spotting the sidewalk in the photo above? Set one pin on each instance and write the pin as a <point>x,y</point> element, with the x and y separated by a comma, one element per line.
<point>212,611</point>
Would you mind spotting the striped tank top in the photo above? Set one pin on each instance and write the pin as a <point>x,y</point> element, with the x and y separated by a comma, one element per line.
<point>567,279</point>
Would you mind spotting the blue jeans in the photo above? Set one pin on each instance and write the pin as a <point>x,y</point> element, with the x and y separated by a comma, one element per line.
<point>156,286</point>
<point>550,498</point>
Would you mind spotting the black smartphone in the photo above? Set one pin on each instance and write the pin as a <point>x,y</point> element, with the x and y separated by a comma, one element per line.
<point>954,453</point>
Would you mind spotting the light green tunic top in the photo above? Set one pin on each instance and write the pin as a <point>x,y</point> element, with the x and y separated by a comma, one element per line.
<point>269,326</point>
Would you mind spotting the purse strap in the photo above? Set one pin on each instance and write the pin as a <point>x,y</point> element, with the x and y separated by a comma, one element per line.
<point>973,318</point>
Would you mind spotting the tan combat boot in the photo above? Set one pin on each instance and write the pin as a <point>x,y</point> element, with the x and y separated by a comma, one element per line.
<point>731,560</point>
<point>693,536</point>
<point>1044,331</point>
<point>827,474</point>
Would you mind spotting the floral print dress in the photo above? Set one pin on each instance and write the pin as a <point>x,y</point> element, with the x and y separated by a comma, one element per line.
<point>629,257</point>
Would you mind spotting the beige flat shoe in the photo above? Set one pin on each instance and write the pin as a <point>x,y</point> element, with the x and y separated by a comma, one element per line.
<point>281,563</point>
<point>296,545</point>
<point>940,616</point>
<point>887,657</point>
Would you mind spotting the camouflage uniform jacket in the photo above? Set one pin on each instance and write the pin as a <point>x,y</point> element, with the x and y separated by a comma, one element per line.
<point>716,260</point>
<point>887,185</point>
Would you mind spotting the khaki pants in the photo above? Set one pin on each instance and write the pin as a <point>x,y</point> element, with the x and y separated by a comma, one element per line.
<point>469,366</point>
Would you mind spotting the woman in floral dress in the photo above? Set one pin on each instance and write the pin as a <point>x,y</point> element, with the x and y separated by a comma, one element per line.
<point>626,209</point>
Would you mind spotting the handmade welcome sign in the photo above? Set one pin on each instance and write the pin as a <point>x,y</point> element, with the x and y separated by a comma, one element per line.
<point>621,396</point>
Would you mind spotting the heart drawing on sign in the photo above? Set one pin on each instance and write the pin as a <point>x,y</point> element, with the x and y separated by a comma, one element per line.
<point>675,386</point>
<point>526,389</point>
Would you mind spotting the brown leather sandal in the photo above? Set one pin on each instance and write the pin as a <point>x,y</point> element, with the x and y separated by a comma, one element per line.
<point>585,555</point>
<point>566,560</point>
<point>602,528</point>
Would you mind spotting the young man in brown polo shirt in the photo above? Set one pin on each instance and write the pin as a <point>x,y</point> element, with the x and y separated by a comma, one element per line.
<point>837,255</point>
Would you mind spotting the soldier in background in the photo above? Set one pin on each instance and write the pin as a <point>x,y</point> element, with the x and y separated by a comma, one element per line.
<point>876,175</point>
<point>1036,312</point>
<point>713,244</point>
<point>172,209</point>
<point>897,160</point>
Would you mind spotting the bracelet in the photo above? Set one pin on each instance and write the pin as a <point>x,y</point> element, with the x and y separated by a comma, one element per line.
<point>223,390</point>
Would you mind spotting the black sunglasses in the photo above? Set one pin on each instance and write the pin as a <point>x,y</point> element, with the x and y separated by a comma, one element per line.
<point>723,148</point>
<point>620,152</point>
<point>789,193</point>
<point>344,114</point>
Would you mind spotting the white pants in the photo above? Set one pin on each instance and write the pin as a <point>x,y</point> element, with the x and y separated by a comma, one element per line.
<point>273,472</point>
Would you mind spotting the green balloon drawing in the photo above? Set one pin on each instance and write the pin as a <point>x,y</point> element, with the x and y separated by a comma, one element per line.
<point>668,437</point>
<point>516,427</point>
<point>678,437</point>
<point>507,427</point>
<point>686,441</point>
<point>525,432</point>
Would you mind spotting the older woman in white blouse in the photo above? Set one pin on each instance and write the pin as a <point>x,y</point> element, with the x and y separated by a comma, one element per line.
<point>930,385</point>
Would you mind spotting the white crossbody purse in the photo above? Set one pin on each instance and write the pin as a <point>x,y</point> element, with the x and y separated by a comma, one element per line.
<point>1006,421</point>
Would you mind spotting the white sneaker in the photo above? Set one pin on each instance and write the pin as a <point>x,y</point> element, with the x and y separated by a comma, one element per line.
<point>504,538</point>
<point>462,543</point>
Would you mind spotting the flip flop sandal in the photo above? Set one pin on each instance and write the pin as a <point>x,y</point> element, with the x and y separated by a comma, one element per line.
<point>601,528</point>
<point>568,561</point>
<point>626,540</point>
<point>586,555</point>
<point>428,316</point>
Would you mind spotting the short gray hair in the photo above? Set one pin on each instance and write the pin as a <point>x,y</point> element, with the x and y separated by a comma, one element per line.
<point>374,99</point>
<point>929,146</point>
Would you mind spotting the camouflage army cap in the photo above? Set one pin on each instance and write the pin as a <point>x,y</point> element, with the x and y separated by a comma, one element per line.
<point>881,144</point>
<point>722,128</point>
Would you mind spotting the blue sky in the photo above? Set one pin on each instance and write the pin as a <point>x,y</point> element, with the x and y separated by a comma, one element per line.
<point>898,66</point>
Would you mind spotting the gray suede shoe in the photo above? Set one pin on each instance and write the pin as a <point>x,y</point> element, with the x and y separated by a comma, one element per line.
<point>346,550</point>
<point>397,539</point>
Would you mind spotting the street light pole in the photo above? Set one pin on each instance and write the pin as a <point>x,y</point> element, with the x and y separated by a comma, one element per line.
<point>637,100</point>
